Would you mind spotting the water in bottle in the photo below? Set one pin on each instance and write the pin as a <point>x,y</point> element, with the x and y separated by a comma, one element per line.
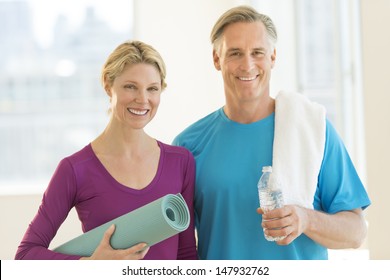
<point>270,195</point>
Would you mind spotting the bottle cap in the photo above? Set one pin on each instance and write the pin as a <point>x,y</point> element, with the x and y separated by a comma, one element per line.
<point>267,169</point>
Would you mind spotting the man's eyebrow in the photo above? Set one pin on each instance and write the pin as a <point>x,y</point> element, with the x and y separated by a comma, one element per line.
<point>233,49</point>
<point>259,49</point>
<point>238,49</point>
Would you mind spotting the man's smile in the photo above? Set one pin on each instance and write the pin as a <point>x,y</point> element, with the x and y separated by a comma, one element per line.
<point>247,78</point>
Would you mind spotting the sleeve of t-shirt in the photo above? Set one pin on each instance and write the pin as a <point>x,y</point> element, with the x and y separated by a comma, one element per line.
<point>57,201</point>
<point>339,186</point>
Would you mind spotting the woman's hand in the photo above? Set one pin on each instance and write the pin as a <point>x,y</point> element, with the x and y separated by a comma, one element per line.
<point>105,252</point>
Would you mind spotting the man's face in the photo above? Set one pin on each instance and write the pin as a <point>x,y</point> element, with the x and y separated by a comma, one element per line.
<point>245,57</point>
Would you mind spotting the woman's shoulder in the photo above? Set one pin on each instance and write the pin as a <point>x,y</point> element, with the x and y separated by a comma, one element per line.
<point>82,155</point>
<point>172,149</point>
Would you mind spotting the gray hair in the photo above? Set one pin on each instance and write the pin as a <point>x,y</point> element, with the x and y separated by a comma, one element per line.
<point>242,14</point>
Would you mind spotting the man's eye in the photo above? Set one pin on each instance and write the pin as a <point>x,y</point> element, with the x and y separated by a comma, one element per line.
<point>258,53</point>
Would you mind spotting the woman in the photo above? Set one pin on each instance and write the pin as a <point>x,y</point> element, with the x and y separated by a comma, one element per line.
<point>121,170</point>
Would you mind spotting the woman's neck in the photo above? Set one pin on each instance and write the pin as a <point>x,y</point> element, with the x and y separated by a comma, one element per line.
<point>121,141</point>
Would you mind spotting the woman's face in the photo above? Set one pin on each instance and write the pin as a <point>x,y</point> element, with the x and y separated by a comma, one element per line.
<point>135,95</point>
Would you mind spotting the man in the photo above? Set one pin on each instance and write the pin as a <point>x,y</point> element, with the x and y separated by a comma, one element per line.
<point>252,130</point>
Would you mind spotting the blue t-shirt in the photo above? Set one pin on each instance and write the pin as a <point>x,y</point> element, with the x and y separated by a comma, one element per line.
<point>229,158</point>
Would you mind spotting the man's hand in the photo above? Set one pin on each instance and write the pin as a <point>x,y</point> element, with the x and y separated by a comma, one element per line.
<point>341,230</point>
<point>289,221</point>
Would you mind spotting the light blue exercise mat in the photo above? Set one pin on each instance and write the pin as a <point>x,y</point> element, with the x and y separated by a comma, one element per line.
<point>151,223</point>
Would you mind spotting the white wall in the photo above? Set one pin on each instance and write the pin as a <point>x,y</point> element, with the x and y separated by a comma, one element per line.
<point>180,30</point>
<point>376,60</point>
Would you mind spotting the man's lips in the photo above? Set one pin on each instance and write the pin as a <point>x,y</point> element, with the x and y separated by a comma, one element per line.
<point>251,78</point>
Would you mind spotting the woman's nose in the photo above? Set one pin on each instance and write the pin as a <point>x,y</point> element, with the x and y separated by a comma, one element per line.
<point>142,96</point>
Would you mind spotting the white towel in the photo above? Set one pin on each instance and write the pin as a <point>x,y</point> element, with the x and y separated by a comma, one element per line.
<point>299,143</point>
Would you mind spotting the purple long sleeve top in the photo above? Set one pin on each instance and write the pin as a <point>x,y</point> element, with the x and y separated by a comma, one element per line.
<point>81,181</point>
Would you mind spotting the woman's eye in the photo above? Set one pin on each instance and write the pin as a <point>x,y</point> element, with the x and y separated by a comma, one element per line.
<point>130,86</point>
<point>154,89</point>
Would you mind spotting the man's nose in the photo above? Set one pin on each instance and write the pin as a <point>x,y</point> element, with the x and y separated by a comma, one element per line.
<point>247,63</point>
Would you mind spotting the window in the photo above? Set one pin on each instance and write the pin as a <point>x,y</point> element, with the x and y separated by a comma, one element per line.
<point>51,100</point>
<point>329,67</point>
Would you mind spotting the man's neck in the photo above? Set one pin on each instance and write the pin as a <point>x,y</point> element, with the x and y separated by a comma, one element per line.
<point>249,112</point>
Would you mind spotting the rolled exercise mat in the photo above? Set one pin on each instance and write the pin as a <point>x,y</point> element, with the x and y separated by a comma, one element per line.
<point>151,223</point>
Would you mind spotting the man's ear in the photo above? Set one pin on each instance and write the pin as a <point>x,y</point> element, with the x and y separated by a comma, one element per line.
<point>216,60</point>
<point>273,58</point>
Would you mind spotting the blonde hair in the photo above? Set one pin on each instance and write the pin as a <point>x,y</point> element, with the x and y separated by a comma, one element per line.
<point>130,53</point>
<point>242,14</point>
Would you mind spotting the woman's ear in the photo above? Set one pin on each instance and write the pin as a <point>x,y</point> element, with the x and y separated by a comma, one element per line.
<point>107,88</point>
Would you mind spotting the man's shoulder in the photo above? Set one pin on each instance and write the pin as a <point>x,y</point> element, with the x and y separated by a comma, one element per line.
<point>198,128</point>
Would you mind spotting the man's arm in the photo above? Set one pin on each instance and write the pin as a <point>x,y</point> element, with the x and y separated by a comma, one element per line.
<point>345,229</point>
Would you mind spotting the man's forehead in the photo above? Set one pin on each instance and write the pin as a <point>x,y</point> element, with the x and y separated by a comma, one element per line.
<point>245,35</point>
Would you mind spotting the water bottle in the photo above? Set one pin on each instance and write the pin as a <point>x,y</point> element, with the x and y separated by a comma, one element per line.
<point>270,195</point>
